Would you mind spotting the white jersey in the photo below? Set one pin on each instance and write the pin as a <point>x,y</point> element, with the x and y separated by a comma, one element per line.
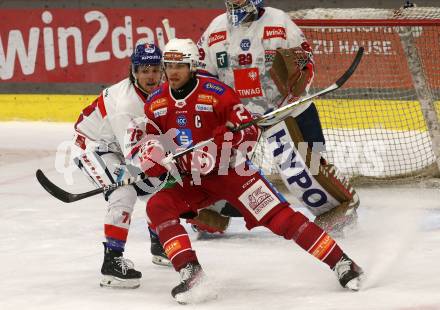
<point>110,121</point>
<point>242,56</point>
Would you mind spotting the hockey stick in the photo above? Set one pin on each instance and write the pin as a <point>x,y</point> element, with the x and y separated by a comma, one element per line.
<point>67,197</point>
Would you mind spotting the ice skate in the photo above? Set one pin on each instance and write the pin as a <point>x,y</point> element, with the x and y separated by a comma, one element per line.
<point>190,289</point>
<point>117,271</point>
<point>158,255</point>
<point>349,274</point>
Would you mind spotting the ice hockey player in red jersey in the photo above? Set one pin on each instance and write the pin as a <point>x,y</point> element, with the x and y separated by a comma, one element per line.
<point>104,134</point>
<point>191,109</point>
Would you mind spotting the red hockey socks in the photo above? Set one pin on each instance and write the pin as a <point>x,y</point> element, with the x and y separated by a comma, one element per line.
<point>294,225</point>
<point>176,244</point>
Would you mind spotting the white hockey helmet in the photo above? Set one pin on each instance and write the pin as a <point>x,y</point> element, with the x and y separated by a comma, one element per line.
<point>182,51</point>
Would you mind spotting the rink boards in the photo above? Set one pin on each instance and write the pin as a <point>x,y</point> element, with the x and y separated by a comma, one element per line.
<point>334,113</point>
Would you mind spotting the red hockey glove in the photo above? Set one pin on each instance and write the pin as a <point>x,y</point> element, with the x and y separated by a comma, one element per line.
<point>223,133</point>
<point>151,156</point>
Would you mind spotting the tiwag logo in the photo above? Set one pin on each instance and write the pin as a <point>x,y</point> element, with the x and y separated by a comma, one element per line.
<point>216,37</point>
<point>274,32</point>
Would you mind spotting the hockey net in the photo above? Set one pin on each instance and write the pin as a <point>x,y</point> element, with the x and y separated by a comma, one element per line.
<point>383,124</point>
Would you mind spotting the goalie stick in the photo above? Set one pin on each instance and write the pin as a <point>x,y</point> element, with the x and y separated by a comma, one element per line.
<point>265,120</point>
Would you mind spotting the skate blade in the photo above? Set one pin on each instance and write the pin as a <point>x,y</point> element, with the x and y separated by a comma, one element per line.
<point>161,261</point>
<point>189,298</point>
<point>202,292</point>
<point>354,284</point>
<point>115,282</point>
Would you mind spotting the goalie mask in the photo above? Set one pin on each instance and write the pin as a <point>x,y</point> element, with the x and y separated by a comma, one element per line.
<point>242,11</point>
<point>182,51</point>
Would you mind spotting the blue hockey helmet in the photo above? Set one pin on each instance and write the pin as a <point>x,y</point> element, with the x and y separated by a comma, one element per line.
<point>241,11</point>
<point>146,54</point>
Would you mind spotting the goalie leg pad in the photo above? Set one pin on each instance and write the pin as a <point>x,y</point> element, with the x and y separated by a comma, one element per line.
<point>319,191</point>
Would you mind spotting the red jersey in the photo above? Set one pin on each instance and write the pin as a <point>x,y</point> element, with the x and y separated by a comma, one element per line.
<point>210,104</point>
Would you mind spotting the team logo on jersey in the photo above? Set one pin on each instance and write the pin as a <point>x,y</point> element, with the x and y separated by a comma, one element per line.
<point>204,98</point>
<point>222,59</point>
<point>259,199</point>
<point>159,103</point>
<point>184,137</point>
<point>216,37</point>
<point>204,108</point>
<point>180,104</point>
<point>274,32</point>
<point>269,55</point>
<point>245,44</point>
<point>181,120</point>
<point>216,88</point>
<point>160,112</point>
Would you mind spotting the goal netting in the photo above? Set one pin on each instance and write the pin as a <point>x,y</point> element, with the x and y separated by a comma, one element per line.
<point>383,124</point>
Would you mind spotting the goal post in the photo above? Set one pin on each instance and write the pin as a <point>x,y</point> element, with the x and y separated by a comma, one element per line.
<point>384,124</point>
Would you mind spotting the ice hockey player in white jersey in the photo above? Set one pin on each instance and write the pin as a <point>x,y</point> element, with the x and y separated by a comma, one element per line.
<point>105,132</point>
<point>265,57</point>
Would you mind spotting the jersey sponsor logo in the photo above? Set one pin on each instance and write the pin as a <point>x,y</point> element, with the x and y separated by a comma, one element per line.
<point>216,37</point>
<point>245,44</point>
<point>247,83</point>
<point>181,120</point>
<point>184,137</point>
<point>158,104</point>
<point>259,199</point>
<point>204,98</point>
<point>274,32</point>
<point>160,112</point>
<point>155,92</point>
<point>204,108</point>
<point>216,88</point>
<point>222,60</point>
<point>269,55</point>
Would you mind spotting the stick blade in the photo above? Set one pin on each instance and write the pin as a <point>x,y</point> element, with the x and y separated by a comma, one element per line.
<point>52,188</point>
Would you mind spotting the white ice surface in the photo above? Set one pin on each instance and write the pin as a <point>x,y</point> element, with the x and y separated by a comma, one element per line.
<point>51,252</point>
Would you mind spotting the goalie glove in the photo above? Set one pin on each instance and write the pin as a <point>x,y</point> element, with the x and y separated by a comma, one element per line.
<point>292,70</point>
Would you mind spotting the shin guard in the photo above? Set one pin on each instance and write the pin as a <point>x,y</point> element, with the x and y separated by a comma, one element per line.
<point>294,225</point>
